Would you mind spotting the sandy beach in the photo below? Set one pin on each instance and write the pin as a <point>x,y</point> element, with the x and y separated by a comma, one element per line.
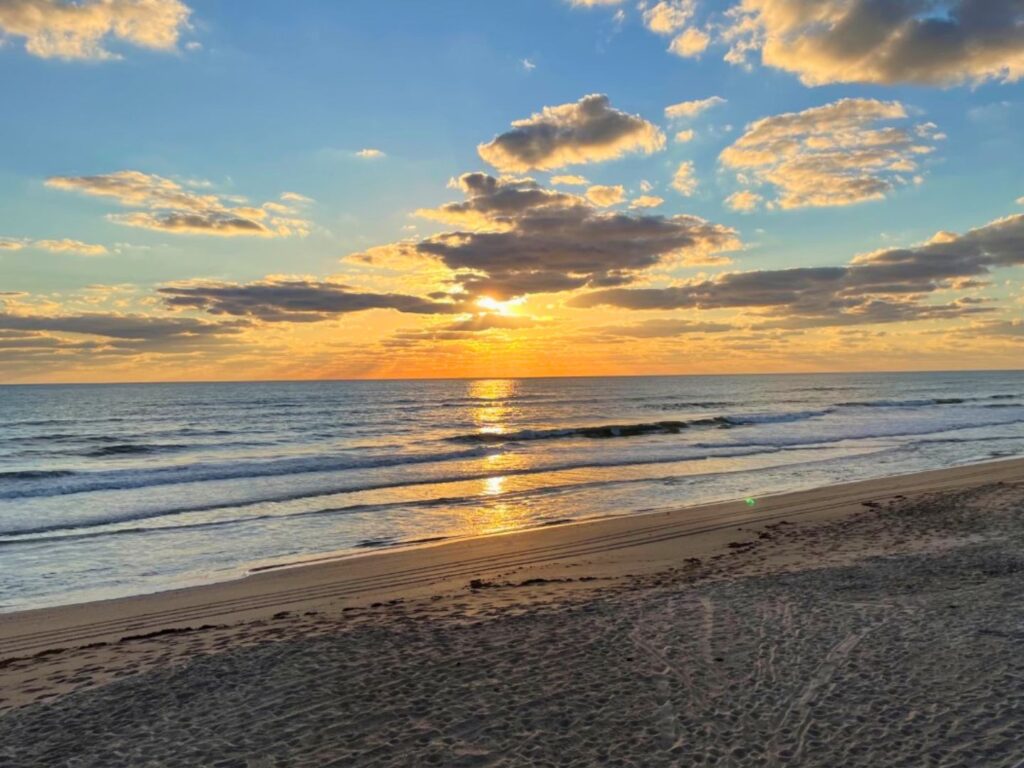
<point>874,623</point>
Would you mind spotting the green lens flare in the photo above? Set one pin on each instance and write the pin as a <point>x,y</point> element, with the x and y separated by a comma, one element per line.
<point>750,502</point>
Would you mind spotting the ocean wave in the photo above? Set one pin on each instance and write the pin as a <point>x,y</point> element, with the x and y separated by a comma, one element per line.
<point>112,480</point>
<point>597,432</point>
<point>133,449</point>
<point>607,431</point>
<point>920,402</point>
<point>34,474</point>
<point>776,418</point>
<point>137,515</point>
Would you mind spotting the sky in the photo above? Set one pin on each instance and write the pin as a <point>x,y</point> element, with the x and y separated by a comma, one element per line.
<point>198,190</point>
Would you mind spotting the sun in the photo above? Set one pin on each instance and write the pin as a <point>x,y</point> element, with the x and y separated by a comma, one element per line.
<point>499,307</point>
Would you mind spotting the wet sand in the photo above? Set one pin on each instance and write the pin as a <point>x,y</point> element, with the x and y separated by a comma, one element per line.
<point>877,623</point>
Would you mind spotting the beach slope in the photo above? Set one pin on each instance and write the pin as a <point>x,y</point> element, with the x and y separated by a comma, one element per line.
<point>874,623</point>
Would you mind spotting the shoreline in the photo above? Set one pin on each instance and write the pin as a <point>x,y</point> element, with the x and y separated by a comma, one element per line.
<point>865,624</point>
<point>638,543</point>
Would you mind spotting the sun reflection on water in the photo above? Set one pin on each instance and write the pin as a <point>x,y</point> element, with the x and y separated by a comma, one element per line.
<point>493,407</point>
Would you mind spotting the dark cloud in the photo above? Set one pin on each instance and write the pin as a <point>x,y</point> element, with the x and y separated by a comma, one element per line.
<point>295,301</point>
<point>587,131</point>
<point>525,239</point>
<point>886,286</point>
<point>883,41</point>
<point>135,327</point>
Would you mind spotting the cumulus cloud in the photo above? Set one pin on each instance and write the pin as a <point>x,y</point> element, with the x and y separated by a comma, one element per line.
<point>683,180</point>
<point>744,201</point>
<point>690,43</point>
<point>593,3</point>
<point>837,154</point>
<point>11,245</point>
<point>587,131</point>
<point>667,16</point>
<point>682,137</point>
<point>604,196</point>
<point>886,286</point>
<point>687,110</point>
<point>521,238</point>
<point>293,301</point>
<point>370,153</point>
<point>646,201</point>
<point>170,207</point>
<point>83,30</point>
<point>868,41</point>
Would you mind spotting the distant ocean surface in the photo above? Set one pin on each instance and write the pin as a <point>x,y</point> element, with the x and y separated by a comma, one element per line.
<point>110,490</point>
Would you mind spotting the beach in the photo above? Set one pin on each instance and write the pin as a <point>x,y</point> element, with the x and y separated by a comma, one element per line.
<point>869,623</point>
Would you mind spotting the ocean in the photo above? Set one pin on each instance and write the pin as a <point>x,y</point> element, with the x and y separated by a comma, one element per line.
<point>119,489</point>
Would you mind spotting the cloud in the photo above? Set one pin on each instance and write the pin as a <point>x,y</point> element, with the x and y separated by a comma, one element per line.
<point>587,131</point>
<point>886,286</point>
<point>572,181</point>
<point>646,201</point>
<point>496,203</point>
<point>593,3</point>
<point>370,154</point>
<point>682,137</point>
<point>868,41</point>
<point>71,246</point>
<point>527,64</point>
<point>461,330</point>
<point>687,110</point>
<point>172,208</point>
<point>683,180</point>
<point>665,327</point>
<point>65,245</point>
<point>603,196</point>
<point>522,238</point>
<point>744,201</point>
<point>690,43</point>
<point>64,30</point>
<point>293,301</point>
<point>831,155</point>
<point>667,16</point>
<point>135,327</point>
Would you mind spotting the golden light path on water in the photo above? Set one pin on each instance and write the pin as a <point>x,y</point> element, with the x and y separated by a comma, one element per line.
<point>491,414</point>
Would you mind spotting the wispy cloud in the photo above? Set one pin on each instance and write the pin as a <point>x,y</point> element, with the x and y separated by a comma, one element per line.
<point>687,110</point>
<point>684,180</point>
<point>64,245</point>
<point>169,207</point>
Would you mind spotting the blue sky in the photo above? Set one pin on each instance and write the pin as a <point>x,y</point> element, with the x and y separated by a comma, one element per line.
<point>262,98</point>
